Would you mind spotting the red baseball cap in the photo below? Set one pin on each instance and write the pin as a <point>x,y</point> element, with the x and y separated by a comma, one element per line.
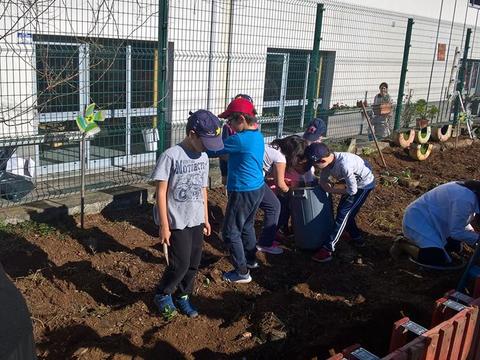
<point>239,105</point>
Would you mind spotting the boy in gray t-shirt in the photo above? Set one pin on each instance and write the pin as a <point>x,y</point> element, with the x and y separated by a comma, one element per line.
<point>359,182</point>
<point>182,176</point>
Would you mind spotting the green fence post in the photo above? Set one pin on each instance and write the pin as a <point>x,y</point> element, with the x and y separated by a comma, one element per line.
<point>403,74</point>
<point>314,62</point>
<point>162,73</point>
<point>461,75</point>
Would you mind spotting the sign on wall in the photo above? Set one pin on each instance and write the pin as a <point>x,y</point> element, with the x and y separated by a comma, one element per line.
<point>441,50</point>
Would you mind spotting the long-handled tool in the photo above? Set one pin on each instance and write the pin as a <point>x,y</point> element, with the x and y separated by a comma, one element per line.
<point>165,252</point>
<point>364,110</point>
<point>156,220</point>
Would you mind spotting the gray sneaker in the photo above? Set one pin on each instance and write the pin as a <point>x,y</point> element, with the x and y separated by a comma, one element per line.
<point>234,277</point>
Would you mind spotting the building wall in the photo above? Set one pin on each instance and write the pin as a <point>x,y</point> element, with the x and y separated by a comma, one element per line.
<point>368,46</point>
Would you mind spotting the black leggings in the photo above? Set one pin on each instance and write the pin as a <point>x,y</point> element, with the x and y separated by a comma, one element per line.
<point>185,253</point>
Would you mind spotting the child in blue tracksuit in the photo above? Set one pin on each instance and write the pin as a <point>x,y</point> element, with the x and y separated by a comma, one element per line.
<point>245,187</point>
<point>359,181</point>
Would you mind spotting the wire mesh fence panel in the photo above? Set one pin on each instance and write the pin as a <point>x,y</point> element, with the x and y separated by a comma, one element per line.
<point>58,60</point>
<point>100,67</point>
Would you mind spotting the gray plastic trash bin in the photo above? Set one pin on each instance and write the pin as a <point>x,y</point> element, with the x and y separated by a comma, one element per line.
<point>312,216</point>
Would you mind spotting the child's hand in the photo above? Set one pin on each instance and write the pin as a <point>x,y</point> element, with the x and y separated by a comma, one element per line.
<point>164,235</point>
<point>327,186</point>
<point>207,229</point>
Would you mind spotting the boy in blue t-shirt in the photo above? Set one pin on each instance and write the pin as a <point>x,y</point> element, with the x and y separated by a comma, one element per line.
<point>245,187</point>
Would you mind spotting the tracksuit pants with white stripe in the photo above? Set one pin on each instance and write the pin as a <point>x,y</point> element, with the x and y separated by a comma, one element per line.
<point>348,208</point>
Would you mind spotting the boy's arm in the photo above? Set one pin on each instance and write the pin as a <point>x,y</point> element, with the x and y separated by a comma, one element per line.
<point>351,184</point>
<point>326,184</point>
<point>207,228</point>
<point>164,226</point>
<point>332,188</point>
<point>460,212</point>
<point>231,145</point>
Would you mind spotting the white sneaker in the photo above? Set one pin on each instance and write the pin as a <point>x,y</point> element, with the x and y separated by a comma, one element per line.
<point>235,277</point>
<point>274,249</point>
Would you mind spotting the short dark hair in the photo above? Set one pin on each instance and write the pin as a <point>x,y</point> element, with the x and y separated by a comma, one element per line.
<point>249,119</point>
<point>383,84</point>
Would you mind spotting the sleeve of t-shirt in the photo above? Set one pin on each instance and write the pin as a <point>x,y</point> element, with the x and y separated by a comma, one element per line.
<point>163,168</point>
<point>460,214</point>
<point>350,180</point>
<point>277,156</point>
<point>231,145</point>
<point>207,168</point>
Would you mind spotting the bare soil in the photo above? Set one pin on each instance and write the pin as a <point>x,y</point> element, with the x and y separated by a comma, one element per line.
<point>90,291</point>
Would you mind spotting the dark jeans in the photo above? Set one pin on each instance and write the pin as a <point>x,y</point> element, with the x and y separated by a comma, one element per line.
<point>238,226</point>
<point>271,207</point>
<point>185,253</point>
<point>436,256</point>
<point>348,208</point>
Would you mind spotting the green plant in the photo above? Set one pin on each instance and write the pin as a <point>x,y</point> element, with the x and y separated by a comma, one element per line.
<point>424,111</point>
<point>407,115</point>
<point>407,173</point>
<point>33,227</point>
<point>342,106</point>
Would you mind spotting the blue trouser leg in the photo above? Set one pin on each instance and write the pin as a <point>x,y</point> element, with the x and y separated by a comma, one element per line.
<point>351,226</point>
<point>271,207</point>
<point>347,209</point>
<point>238,227</point>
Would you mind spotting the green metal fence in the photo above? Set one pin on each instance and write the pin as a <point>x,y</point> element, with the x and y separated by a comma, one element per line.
<point>146,63</point>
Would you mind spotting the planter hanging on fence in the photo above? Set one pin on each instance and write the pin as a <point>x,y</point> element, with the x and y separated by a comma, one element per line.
<point>150,138</point>
<point>420,151</point>
<point>423,135</point>
<point>404,138</point>
<point>442,133</point>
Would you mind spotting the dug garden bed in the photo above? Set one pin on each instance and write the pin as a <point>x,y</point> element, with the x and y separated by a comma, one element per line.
<point>90,291</point>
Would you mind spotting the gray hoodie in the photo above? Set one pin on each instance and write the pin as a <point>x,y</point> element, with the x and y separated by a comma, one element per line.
<point>353,169</point>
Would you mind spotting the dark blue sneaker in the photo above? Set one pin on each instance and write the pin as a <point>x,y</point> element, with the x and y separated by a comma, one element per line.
<point>253,264</point>
<point>185,307</point>
<point>165,306</point>
<point>235,277</point>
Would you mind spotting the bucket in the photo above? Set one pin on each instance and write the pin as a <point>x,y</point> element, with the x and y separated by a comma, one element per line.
<point>150,138</point>
<point>312,216</point>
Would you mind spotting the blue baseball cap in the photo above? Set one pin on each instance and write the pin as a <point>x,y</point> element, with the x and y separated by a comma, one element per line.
<point>315,130</point>
<point>316,152</point>
<point>207,127</point>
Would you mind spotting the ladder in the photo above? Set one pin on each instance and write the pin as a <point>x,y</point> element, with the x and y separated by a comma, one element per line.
<point>450,90</point>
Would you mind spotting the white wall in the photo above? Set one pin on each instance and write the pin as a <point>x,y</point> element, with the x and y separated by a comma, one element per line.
<point>368,45</point>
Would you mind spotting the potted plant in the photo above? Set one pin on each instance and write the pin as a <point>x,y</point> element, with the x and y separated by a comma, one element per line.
<point>424,113</point>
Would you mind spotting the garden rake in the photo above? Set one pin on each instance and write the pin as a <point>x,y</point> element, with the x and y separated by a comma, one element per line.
<point>369,122</point>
